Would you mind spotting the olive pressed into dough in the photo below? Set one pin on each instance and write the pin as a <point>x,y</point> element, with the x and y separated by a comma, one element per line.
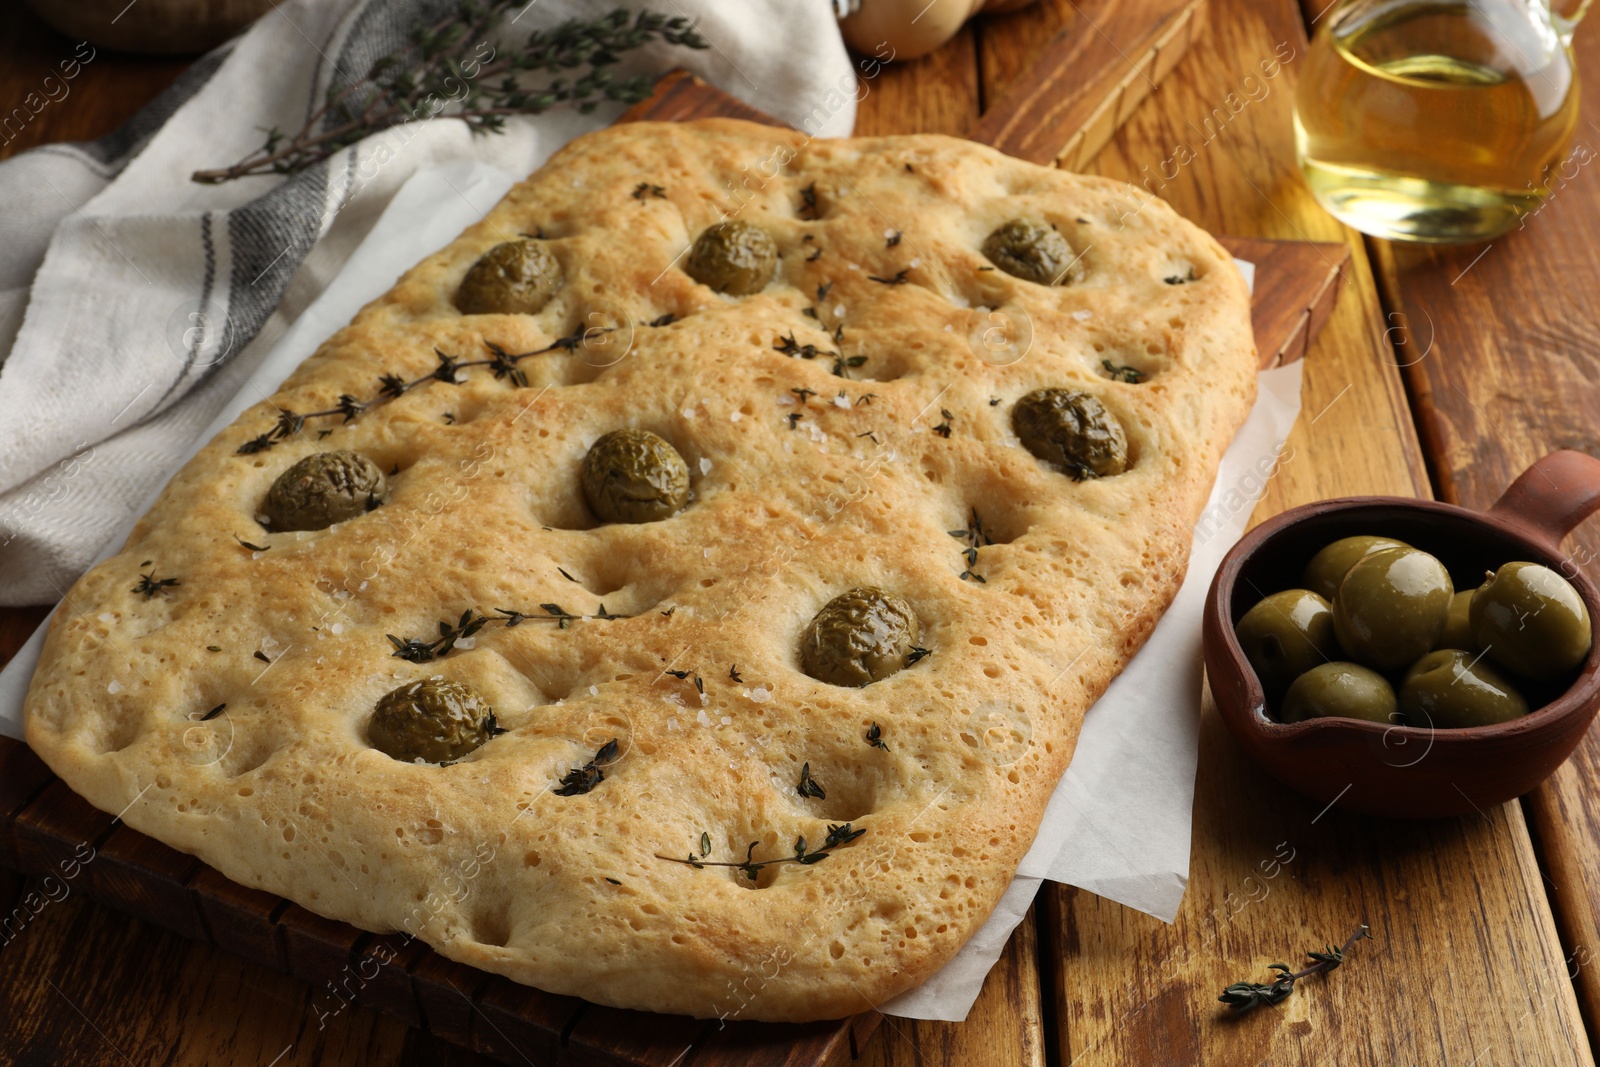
<point>322,489</point>
<point>432,720</point>
<point>1031,249</point>
<point>733,257</point>
<point>634,476</point>
<point>512,278</point>
<point>860,636</point>
<point>1073,431</point>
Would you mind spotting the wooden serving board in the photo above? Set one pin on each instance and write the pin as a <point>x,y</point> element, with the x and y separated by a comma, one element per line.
<point>47,831</point>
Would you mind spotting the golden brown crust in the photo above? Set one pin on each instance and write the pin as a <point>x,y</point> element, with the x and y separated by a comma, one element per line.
<point>483,859</point>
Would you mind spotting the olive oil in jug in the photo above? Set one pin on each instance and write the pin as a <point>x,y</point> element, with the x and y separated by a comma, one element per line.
<point>1436,120</point>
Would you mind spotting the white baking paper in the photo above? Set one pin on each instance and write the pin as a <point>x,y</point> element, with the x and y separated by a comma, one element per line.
<point>1119,821</point>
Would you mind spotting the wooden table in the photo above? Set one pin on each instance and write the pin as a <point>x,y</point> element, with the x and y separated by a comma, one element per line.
<point>1440,373</point>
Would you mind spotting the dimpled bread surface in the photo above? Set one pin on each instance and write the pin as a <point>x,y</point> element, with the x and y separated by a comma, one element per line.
<point>483,859</point>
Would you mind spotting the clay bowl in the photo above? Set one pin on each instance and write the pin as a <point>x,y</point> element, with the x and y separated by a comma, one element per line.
<point>1406,771</point>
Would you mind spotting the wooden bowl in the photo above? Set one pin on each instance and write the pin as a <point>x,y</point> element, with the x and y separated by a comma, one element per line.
<point>1407,771</point>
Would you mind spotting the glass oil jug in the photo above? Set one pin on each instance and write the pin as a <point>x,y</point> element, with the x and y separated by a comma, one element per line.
<point>1436,120</point>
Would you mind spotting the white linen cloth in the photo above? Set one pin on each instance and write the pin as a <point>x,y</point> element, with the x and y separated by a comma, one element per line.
<point>134,301</point>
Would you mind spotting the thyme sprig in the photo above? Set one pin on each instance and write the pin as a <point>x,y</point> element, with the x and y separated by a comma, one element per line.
<point>875,737</point>
<point>1246,996</point>
<point>450,68</point>
<point>416,650</point>
<point>501,363</point>
<point>976,539</point>
<point>838,834</point>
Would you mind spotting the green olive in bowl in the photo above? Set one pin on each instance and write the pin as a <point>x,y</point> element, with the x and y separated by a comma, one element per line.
<point>1451,689</point>
<point>433,720</point>
<point>1391,607</point>
<point>1340,690</point>
<point>1285,635</point>
<point>1457,631</point>
<point>1531,621</point>
<point>1329,566</point>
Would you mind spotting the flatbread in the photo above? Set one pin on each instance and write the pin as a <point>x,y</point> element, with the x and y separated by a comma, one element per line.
<point>587,894</point>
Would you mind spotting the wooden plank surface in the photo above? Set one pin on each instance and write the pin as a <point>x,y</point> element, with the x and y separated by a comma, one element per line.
<point>1502,354</point>
<point>1466,967</point>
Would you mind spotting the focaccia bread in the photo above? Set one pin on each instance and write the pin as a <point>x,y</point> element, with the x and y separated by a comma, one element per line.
<point>625,826</point>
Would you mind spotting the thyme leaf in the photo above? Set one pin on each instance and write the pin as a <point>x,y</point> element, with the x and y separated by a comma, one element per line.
<point>150,585</point>
<point>875,737</point>
<point>581,780</point>
<point>1119,373</point>
<point>809,786</point>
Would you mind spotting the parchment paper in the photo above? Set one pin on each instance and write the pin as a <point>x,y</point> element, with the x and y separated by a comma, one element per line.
<point>1118,823</point>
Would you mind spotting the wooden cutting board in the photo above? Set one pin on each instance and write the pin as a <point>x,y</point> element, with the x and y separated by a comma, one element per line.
<point>47,831</point>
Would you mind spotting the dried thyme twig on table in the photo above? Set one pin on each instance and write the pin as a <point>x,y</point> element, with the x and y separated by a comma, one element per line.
<point>1244,996</point>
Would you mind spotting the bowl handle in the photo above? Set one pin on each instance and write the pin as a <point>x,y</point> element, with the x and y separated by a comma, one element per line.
<point>1551,497</point>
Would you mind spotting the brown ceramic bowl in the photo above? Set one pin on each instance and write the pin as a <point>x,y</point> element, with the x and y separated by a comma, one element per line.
<point>1407,771</point>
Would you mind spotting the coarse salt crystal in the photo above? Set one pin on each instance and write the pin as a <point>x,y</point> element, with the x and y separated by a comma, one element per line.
<point>594,690</point>
<point>760,694</point>
<point>106,617</point>
<point>114,688</point>
<point>338,628</point>
<point>727,720</point>
<point>1083,315</point>
<point>735,417</point>
<point>841,401</point>
<point>838,311</point>
<point>705,465</point>
<point>688,413</point>
<point>852,266</point>
<point>916,261</point>
<point>465,643</point>
<point>702,718</point>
